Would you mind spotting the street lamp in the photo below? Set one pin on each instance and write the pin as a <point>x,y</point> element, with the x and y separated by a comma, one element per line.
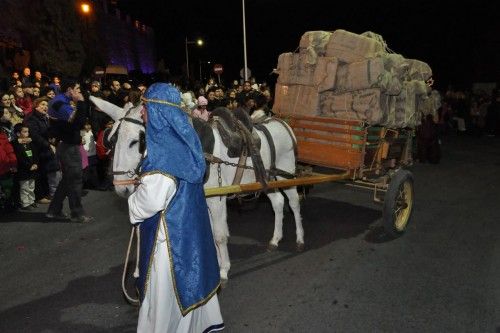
<point>198,42</point>
<point>203,62</point>
<point>85,8</point>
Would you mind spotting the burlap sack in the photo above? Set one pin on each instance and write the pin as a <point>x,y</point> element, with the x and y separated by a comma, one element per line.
<point>325,73</point>
<point>296,99</point>
<point>313,44</point>
<point>369,73</point>
<point>293,69</point>
<point>350,47</point>
<point>405,114</point>
<point>368,105</point>
<point>419,70</point>
<point>429,104</point>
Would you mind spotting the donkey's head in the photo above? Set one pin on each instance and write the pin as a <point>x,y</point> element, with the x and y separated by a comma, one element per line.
<point>127,141</point>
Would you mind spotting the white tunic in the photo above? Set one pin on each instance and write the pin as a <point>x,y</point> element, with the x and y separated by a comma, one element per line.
<point>159,312</point>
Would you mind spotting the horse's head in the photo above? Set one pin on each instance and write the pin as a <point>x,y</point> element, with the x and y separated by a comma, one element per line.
<point>127,142</point>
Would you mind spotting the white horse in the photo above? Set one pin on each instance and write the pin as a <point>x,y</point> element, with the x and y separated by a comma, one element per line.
<point>127,157</point>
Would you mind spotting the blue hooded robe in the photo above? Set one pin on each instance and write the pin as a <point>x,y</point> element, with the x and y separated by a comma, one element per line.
<point>174,149</point>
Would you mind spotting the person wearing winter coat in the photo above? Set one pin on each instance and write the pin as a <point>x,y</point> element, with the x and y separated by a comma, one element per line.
<point>49,170</point>
<point>23,100</point>
<point>67,113</point>
<point>201,110</point>
<point>27,166</point>
<point>8,165</point>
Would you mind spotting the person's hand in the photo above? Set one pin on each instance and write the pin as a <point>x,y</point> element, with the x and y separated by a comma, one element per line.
<point>78,97</point>
<point>34,167</point>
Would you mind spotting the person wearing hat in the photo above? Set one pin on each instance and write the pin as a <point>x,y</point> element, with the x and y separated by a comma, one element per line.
<point>178,269</point>
<point>201,110</point>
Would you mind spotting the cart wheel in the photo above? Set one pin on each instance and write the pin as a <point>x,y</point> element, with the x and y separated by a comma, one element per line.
<point>398,203</point>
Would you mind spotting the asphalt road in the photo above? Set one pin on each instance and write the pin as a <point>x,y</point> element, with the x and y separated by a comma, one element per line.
<point>443,275</point>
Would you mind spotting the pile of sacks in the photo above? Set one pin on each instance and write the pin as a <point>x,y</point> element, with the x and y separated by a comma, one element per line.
<point>349,76</point>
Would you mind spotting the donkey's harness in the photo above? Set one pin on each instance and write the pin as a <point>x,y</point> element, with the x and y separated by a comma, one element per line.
<point>249,145</point>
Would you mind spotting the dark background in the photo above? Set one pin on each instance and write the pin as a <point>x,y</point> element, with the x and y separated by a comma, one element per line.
<point>460,41</point>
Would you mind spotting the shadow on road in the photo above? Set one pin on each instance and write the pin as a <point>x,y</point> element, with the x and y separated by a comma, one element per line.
<point>36,217</point>
<point>99,308</point>
<point>324,222</point>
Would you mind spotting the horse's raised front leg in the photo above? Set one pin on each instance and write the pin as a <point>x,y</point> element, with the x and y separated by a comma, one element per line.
<point>277,201</point>
<point>218,218</point>
<point>294,202</point>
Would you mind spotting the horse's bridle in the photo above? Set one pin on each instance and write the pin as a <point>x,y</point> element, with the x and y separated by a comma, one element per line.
<point>132,173</point>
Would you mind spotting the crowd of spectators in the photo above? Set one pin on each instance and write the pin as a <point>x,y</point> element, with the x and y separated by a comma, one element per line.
<point>461,112</point>
<point>31,169</point>
<point>33,142</point>
<point>248,96</point>
<point>34,151</point>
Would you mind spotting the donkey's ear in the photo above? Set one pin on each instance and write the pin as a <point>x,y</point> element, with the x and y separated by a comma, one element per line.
<point>142,142</point>
<point>108,108</point>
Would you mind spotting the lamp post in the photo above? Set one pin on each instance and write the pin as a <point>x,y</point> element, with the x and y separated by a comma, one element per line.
<point>203,62</point>
<point>86,11</point>
<point>198,42</point>
<point>245,67</point>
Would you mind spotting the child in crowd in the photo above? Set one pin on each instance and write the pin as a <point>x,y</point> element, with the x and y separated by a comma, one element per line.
<point>201,110</point>
<point>90,173</point>
<point>27,165</point>
<point>54,174</point>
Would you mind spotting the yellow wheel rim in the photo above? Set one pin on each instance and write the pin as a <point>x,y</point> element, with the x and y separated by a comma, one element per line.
<point>403,206</point>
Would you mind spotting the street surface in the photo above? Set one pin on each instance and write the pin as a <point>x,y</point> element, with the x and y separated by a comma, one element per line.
<point>443,275</point>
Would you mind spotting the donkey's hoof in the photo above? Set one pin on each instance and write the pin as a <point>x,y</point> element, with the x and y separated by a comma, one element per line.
<point>271,247</point>
<point>300,247</point>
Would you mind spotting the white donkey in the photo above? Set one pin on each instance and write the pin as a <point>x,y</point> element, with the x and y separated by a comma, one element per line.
<point>127,157</point>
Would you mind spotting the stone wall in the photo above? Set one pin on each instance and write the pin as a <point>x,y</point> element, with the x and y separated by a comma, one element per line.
<point>61,39</point>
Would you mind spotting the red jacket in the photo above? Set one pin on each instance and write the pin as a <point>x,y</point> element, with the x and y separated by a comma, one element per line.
<point>26,104</point>
<point>7,156</point>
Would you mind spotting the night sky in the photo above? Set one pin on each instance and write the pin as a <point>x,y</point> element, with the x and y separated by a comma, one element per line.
<point>460,42</point>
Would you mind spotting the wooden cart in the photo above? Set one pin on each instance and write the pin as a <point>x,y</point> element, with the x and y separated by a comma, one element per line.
<point>369,157</point>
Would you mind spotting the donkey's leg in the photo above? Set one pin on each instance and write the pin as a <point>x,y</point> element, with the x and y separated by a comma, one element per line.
<point>277,201</point>
<point>218,218</point>
<point>294,202</point>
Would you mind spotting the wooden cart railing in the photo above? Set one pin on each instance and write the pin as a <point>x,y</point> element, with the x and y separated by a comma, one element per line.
<point>349,148</point>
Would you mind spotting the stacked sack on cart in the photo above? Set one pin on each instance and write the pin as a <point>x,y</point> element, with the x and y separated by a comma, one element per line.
<point>349,76</point>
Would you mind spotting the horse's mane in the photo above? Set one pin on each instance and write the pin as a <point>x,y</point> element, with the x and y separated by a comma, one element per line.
<point>205,134</point>
<point>230,117</point>
<point>243,116</point>
<point>226,115</point>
